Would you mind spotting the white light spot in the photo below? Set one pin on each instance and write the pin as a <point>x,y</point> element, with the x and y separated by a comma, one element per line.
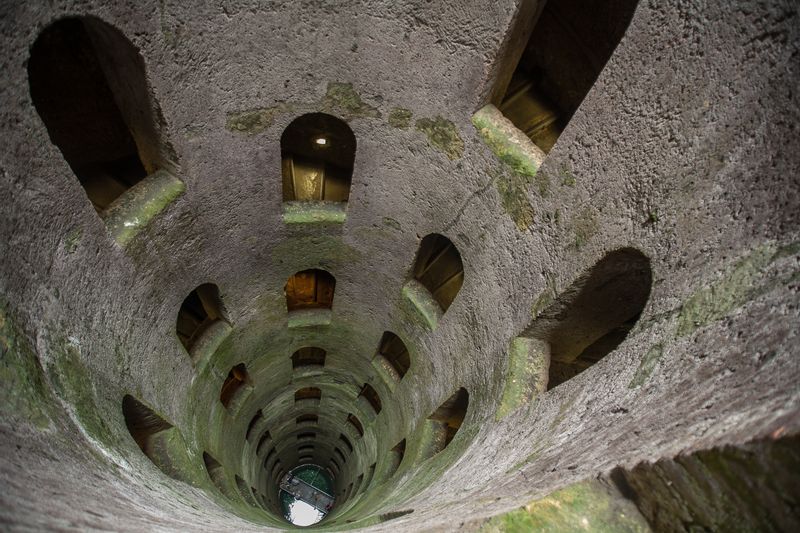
<point>322,141</point>
<point>303,514</point>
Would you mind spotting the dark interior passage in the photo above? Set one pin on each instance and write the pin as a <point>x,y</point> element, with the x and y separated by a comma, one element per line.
<point>439,268</point>
<point>568,48</point>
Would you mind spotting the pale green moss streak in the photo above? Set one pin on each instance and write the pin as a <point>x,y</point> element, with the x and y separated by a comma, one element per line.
<point>307,318</point>
<point>75,385</point>
<point>585,506</point>
<point>24,393</point>
<point>421,300</point>
<point>528,364</point>
<point>314,212</point>
<point>342,97</point>
<point>442,135</point>
<point>732,290</point>
<point>255,120</point>
<point>386,372</point>
<point>585,227</point>
<point>521,158</point>
<point>400,118</point>
<point>140,204</point>
<point>72,240</point>
<point>509,144</point>
<point>647,366</point>
<point>392,223</point>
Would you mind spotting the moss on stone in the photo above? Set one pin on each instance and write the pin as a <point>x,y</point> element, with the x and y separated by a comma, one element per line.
<point>255,120</point>
<point>400,118</point>
<point>526,376</point>
<point>647,366</point>
<point>732,290</point>
<point>314,212</point>
<point>75,385</point>
<point>422,302</point>
<point>513,191</point>
<point>24,393</point>
<point>584,226</point>
<point>342,97</point>
<point>586,506</point>
<point>506,142</point>
<point>442,135</point>
<point>140,204</point>
<point>72,240</point>
<point>392,223</point>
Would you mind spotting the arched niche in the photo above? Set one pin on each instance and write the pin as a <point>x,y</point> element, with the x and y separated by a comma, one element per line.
<point>198,316</point>
<point>583,324</point>
<point>569,45</point>
<point>318,151</point>
<point>310,289</point>
<point>88,85</point>
<point>447,420</point>
<point>438,274</point>
<point>234,384</point>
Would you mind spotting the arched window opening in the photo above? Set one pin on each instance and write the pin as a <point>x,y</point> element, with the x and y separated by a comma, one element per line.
<point>258,417</point>
<point>308,418</point>
<point>215,472</point>
<point>198,311</point>
<point>263,442</point>
<point>149,431</point>
<point>396,457</point>
<point>88,84</point>
<point>595,314</point>
<point>356,423</point>
<point>308,356</point>
<point>304,459</point>
<point>310,289</point>
<point>394,351</point>
<point>269,457</point>
<point>448,418</point>
<point>340,455</point>
<point>276,469</point>
<point>568,48</point>
<point>372,397</point>
<point>394,514</point>
<point>306,448</point>
<point>308,435</point>
<point>439,269</point>
<point>237,378</point>
<point>334,463</point>
<point>346,442</point>
<point>359,481</point>
<point>307,393</point>
<point>318,153</point>
<point>371,473</point>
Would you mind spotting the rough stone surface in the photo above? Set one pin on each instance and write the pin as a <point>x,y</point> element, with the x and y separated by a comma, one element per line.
<point>686,149</point>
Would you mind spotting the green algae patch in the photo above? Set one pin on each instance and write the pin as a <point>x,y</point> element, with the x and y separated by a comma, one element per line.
<point>442,135</point>
<point>309,318</point>
<point>647,366</point>
<point>342,97</point>
<point>400,118</point>
<point>140,204</point>
<point>585,227</point>
<point>72,240</point>
<point>314,212</point>
<point>521,159</point>
<point>392,223</point>
<point>508,143</point>
<point>255,121</point>
<point>528,363</point>
<point>586,506</point>
<point>421,301</point>
<point>732,290</point>
<point>513,191</point>
<point>24,393</point>
<point>75,385</point>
